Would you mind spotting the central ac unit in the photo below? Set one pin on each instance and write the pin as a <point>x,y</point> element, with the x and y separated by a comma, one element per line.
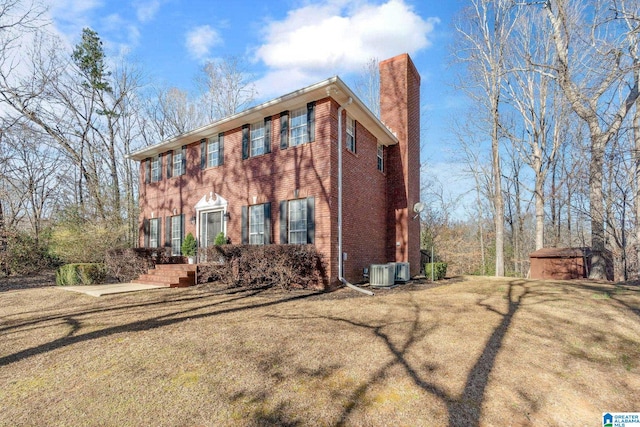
<point>382,275</point>
<point>401,271</point>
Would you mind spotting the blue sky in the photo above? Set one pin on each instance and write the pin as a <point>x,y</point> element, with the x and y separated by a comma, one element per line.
<point>287,44</point>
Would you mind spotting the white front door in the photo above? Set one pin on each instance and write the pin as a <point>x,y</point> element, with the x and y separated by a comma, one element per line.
<point>210,227</point>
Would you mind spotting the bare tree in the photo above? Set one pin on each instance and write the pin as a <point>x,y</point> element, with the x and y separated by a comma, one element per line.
<point>30,175</point>
<point>169,112</point>
<point>539,104</point>
<point>227,87</point>
<point>367,85</point>
<point>591,64</point>
<point>483,34</point>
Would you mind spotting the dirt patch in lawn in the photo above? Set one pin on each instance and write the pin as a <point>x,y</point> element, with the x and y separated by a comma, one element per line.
<point>473,351</point>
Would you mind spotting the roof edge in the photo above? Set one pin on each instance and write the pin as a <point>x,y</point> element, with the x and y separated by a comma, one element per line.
<point>332,87</point>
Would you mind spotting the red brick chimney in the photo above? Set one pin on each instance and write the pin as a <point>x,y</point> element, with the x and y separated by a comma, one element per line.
<point>400,111</point>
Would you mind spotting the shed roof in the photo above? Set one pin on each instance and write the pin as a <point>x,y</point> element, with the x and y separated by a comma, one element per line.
<point>560,253</point>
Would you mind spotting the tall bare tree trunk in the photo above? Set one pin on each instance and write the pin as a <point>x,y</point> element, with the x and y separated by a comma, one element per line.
<point>636,140</point>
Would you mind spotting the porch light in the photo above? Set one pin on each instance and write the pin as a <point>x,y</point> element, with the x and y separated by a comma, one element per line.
<point>193,219</point>
<point>227,217</point>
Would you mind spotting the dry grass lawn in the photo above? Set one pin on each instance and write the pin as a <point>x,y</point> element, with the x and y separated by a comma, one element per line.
<point>476,351</point>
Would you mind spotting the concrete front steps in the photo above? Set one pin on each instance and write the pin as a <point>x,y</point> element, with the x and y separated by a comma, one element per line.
<point>170,276</point>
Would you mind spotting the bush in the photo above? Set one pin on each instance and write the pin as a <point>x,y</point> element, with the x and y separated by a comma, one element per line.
<point>128,264</point>
<point>189,245</point>
<point>439,270</point>
<point>22,254</point>
<point>80,241</point>
<point>220,239</point>
<point>284,266</point>
<point>80,274</point>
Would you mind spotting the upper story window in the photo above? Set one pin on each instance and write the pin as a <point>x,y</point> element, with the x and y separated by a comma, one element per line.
<point>179,162</point>
<point>298,126</point>
<point>212,151</point>
<point>257,132</point>
<point>156,169</point>
<point>351,134</point>
<point>380,157</point>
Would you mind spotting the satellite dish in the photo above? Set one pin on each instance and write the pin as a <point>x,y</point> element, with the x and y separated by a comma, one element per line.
<point>418,207</point>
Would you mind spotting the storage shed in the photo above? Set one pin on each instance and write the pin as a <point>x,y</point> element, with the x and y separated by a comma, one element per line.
<point>560,263</point>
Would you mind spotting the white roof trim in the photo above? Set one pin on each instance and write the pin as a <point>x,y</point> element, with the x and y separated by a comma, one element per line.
<point>333,87</point>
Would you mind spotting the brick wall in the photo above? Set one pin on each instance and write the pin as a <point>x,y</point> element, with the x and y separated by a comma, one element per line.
<point>377,206</point>
<point>271,178</point>
<point>400,111</point>
<point>364,205</point>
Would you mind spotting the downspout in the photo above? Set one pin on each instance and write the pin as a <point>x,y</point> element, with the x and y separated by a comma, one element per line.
<point>340,256</point>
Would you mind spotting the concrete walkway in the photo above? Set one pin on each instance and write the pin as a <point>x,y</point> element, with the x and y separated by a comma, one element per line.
<point>115,288</point>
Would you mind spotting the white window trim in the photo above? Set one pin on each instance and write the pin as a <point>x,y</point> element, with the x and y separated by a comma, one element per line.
<point>380,158</point>
<point>213,142</point>
<point>176,235</point>
<point>177,163</point>
<point>256,237</point>
<point>256,143</point>
<point>154,235</point>
<point>351,139</point>
<point>291,219</point>
<point>303,137</point>
<point>155,169</point>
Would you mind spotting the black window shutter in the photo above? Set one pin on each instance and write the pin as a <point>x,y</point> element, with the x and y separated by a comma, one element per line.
<point>267,223</point>
<point>221,149</point>
<point>160,167</point>
<point>169,163</point>
<point>203,153</point>
<point>245,225</point>
<point>245,141</point>
<point>183,167</point>
<point>267,134</point>
<point>145,231</point>
<point>147,171</point>
<point>355,136</point>
<point>181,231</point>
<point>284,130</point>
<point>284,218</point>
<point>311,222</point>
<point>311,121</point>
<point>167,232</point>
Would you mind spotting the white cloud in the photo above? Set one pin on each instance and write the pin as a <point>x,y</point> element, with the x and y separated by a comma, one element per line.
<point>147,10</point>
<point>201,40</point>
<point>341,36</point>
<point>71,16</point>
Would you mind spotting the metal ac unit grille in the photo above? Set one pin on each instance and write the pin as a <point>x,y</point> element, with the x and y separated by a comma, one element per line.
<point>402,271</point>
<point>381,275</point>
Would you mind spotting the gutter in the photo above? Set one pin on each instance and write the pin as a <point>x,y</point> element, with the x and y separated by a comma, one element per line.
<point>340,253</point>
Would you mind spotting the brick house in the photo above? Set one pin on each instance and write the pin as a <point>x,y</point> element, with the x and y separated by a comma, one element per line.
<point>271,174</point>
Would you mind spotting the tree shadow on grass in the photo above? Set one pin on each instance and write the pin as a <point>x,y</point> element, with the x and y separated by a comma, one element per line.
<point>464,409</point>
<point>148,324</point>
<point>110,308</point>
<point>612,291</point>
